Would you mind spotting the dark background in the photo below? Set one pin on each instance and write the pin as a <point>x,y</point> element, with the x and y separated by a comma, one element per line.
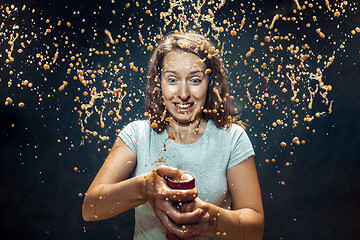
<point>39,189</point>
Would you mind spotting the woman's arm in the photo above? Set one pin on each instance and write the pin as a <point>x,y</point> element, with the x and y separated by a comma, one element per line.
<point>111,193</point>
<point>246,221</point>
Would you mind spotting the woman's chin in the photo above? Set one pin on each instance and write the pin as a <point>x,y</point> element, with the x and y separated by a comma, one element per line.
<point>182,120</point>
<point>186,118</point>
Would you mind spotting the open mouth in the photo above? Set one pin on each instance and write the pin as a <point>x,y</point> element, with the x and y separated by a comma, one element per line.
<point>183,106</point>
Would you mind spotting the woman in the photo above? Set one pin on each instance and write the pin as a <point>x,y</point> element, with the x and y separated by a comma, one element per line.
<point>188,127</point>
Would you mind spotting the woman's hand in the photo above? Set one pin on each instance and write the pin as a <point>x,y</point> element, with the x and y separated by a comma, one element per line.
<point>162,197</point>
<point>203,223</point>
<point>246,219</point>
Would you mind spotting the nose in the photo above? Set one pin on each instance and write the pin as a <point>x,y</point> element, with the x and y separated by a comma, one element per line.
<point>184,92</point>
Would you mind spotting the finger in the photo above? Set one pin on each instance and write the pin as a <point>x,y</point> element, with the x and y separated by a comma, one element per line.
<point>171,172</point>
<point>162,192</point>
<point>202,226</point>
<point>172,209</point>
<point>187,207</point>
<point>183,231</point>
<point>186,217</point>
<point>187,195</point>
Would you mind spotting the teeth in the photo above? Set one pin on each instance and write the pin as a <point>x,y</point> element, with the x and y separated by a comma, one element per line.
<point>183,106</point>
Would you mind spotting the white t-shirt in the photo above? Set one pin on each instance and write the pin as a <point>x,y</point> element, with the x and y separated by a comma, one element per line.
<point>209,159</point>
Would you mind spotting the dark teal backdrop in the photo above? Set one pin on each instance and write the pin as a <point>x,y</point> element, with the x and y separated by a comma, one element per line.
<point>39,189</point>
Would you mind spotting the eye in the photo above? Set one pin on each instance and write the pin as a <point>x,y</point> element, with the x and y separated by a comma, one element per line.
<point>195,80</point>
<point>171,80</point>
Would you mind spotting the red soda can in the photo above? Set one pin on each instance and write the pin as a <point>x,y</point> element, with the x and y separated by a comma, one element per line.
<point>189,183</point>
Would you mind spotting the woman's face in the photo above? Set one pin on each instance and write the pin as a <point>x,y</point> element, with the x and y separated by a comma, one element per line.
<point>184,85</point>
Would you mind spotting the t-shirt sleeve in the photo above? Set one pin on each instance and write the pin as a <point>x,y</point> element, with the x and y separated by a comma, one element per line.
<point>241,147</point>
<point>129,135</point>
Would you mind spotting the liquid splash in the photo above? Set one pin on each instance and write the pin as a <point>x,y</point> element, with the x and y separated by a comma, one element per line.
<point>275,61</point>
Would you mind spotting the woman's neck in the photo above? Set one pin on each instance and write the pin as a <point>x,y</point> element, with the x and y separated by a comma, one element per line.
<point>186,133</point>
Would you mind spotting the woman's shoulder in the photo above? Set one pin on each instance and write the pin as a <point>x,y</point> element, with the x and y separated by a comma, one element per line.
<point>137,126</point>
<point>232,129</point>
<point>237,127</point>
<point>143,124</point>
<point>232,134</point>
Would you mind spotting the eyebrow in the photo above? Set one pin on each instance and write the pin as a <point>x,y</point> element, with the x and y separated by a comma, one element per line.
<point>191,72</point>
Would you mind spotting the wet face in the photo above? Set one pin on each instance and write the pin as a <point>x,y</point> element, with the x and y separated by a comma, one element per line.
<point>184,85</point>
